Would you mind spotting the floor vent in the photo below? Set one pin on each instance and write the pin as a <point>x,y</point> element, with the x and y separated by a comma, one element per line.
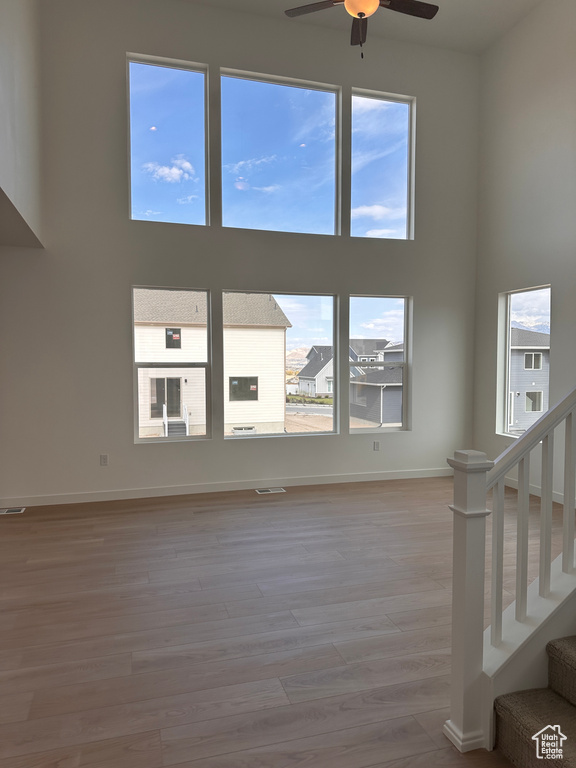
<point>270,490</point>
<point>12,510</point>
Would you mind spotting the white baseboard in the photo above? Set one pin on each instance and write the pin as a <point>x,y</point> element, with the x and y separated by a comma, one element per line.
<point>119,494</point>
<point>535,490</point>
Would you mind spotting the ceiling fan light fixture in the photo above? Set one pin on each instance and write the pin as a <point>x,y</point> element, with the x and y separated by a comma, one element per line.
<point>361,8</point>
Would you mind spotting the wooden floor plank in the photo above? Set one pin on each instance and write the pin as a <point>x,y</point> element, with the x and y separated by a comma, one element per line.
<point>66,673</point>
<point>310,718</point>
<point>366,675</point>
<point>142,750</point>
<point>350,748</point>
<point>184,679</point>
<point>120,720</point>
<point>231,630</point>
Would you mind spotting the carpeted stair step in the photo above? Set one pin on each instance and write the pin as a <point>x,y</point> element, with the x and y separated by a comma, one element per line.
<point>562,667</point>
<point>524,714</point>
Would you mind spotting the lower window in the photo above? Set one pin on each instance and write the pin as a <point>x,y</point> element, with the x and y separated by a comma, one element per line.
<point>171,363</point>
<point>534,401</point>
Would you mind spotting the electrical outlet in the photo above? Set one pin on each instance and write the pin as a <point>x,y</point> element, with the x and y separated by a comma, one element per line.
<point>376,445</point>
<point>103,459</point>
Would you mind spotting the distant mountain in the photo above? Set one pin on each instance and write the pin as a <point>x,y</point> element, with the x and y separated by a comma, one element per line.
<point>537,327</point>
<point>296,359</point>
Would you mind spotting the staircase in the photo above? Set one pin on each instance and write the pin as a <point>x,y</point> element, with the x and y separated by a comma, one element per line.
<point>551,712</point>
<point>511,654</point>
<point>176,428</point>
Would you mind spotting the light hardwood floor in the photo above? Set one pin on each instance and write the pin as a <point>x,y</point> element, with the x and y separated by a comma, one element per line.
<point>309,629</point>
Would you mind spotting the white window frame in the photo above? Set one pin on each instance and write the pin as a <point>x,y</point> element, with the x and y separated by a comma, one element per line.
<point>504,393</point>
<point>411,185</point>
<point>405,364</point>
<point>189,66</point>
<point>533,356</point>
<point>540,400</point>
<point>165,365</point>
<point>335,358</point>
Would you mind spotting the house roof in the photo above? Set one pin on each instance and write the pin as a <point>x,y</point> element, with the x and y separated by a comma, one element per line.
<point>367,346</point>
<point>519,337</point>
<point>173,307</point>
<point>318,357</point>
<point>379,376</point>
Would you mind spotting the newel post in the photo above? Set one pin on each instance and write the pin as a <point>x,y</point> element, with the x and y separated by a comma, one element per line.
<point>464,728</point>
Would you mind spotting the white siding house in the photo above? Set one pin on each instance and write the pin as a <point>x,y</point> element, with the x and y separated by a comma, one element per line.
<point>170,326</point>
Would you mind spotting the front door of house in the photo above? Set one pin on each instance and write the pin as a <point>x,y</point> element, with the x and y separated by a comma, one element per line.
<point>165,392</point>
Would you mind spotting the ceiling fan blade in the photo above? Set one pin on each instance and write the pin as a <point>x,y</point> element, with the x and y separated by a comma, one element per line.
<point>312,7</point>
<point>359,30</point>
<point>411,7</point>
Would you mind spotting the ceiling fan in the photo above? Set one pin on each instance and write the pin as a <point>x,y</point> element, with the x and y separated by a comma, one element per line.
<point>361,9</point>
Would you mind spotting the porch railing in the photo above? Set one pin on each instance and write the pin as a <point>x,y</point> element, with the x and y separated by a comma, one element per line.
<point>477,658</point>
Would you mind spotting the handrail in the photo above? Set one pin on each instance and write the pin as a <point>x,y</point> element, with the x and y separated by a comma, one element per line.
<point>186,419</point>
<point>530,439</point>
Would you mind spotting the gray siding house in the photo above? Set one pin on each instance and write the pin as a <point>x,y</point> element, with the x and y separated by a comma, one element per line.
<point>528,376</point>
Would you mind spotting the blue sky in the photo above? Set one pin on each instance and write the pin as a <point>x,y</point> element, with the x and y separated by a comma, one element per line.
<point>278,155</point>
<point>312,318</point>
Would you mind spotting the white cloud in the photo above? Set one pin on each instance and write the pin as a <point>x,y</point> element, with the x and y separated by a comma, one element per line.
<point>243,166</point>
<point>187,199</point>
<point>389,325</point>
<point>361,105</point>
<point>153,128</point>
<point>181,169</point>
<point>377,212</point>
<point>269,189</point>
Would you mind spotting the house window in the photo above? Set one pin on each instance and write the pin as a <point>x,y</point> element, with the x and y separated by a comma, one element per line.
<point>243,387</point>
<point>278,156</point>
<point>173,338</point>
<point>167,142</point>
<point>533,361</point>
<point>381,166</point>
<point>526,360</point>
<point>533,401</point>
<point>377,355</point>
<point>268,339</point>
<point>171,379</point>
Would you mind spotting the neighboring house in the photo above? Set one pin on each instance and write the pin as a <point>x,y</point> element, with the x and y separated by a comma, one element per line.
<point>375,393</point>
<point>529,372</point>
<point>317,377</point>
<point>170,326</point>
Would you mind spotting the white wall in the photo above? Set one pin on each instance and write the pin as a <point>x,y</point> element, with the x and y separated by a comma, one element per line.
<point>528,194</point>
<point>65,327</point>
<point>19,124</point>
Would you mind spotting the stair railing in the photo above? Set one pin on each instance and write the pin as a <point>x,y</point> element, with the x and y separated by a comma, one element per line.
<point>186,418</point>
<point>469,726</point>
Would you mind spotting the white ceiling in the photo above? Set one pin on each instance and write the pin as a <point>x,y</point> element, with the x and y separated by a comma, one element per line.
<point>470,26</point>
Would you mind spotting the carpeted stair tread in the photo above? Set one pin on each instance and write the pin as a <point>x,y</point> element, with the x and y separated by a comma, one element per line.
<point>523,714</point>
<point>562,667</point>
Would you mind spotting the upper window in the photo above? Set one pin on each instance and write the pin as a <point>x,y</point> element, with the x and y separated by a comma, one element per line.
<point>533,361</point>
<point>172,374</point>
<point>167,143</point>
<point>380,167</point>
<point>527,357</point>
<point>173,338</point>
<point>278,363</point>
<point>278,156</point>
<point>377,362</point>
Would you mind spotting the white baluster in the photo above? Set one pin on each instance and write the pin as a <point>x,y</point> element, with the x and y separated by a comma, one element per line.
<point>546,514</point>
<point>523,518</point>
<point>569,494</point>
<point>497,562</point>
